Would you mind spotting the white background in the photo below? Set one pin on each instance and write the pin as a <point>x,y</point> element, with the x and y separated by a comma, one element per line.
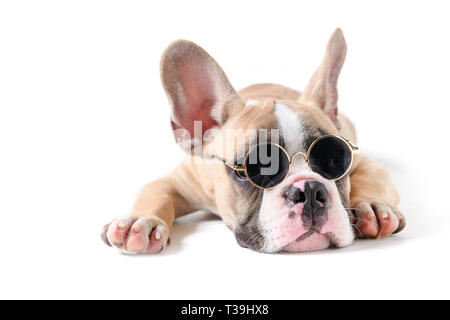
<point>84,123</point>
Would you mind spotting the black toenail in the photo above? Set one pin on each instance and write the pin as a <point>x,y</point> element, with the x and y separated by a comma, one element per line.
<point>118,244</point>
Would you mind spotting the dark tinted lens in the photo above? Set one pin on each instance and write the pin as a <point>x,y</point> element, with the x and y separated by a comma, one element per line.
<point>267,165</point>
<point>330,157</point>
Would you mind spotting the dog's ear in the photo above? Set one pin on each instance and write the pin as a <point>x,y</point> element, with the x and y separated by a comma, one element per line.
<point>322,88</point>
<point>198,91</point>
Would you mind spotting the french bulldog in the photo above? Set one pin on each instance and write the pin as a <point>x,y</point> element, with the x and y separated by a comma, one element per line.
<point>321,194</point>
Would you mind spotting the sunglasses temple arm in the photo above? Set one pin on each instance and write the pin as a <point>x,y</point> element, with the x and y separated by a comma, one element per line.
<point>354,148</point>
<point>228,164</point>
<point>234,166</point>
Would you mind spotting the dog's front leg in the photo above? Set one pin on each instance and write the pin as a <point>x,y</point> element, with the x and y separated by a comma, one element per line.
<point>374,200</point>
<point>147,228</point>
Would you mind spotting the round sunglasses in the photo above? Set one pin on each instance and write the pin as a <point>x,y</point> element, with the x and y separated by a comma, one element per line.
<point>267,164</point>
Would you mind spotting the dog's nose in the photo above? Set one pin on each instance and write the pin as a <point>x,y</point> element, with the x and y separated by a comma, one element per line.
<point>314,194</point>
<point>314,197</point>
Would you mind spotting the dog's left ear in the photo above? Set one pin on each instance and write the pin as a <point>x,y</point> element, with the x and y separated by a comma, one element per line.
<point>322,88</point>
<point>198,91</point>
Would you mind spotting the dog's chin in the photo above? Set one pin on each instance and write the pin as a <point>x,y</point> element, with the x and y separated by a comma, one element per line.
<point>314,241</point>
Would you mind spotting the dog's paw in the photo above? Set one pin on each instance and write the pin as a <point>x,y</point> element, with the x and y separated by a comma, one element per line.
<point>136,235</point>
<point>376,220</point>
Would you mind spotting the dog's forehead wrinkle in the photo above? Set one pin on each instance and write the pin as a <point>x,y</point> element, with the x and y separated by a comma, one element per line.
<point>312,130</point>
<point>311,134</point>
<point>259,136</point>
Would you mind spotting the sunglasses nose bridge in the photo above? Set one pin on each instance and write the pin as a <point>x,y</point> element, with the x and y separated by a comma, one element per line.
<point>296,154</point>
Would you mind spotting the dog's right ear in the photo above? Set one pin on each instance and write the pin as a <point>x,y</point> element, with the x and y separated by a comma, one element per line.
<point>198,91</point>
<point>322,88</point>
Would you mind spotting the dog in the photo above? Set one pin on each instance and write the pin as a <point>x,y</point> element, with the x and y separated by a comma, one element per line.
<point>322,193</point>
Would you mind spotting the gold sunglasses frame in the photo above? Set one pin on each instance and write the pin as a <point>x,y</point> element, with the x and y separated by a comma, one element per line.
<point>352,147</point>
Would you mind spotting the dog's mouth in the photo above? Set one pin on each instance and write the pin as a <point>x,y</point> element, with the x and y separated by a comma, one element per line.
<point>306,235</point>
<point>311,240</point>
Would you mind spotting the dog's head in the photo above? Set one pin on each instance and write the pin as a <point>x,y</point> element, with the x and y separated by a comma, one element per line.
<point>303,212</point>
